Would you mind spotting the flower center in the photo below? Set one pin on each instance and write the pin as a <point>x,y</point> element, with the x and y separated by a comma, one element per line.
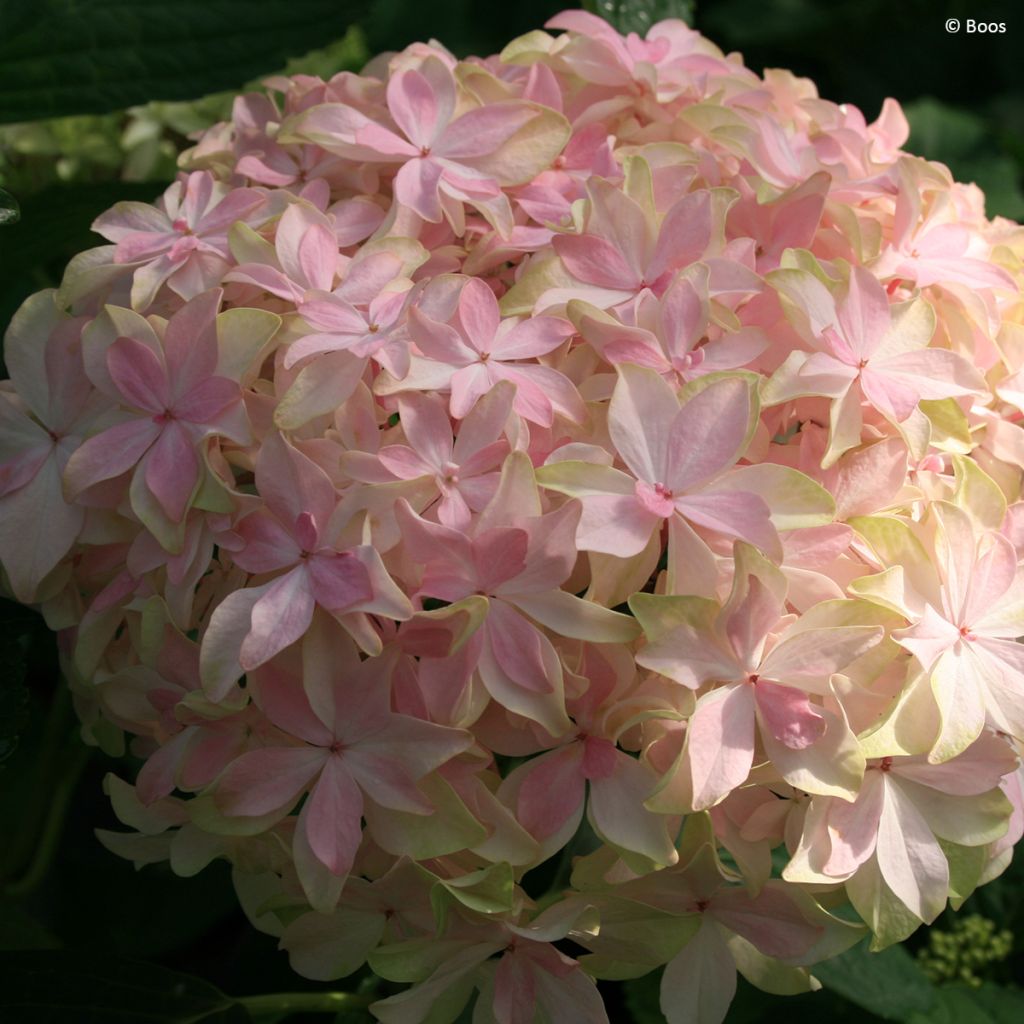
<point>656,498</point>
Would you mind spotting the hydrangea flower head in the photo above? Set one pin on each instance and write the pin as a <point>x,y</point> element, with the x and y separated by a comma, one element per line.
<point>593,451</point>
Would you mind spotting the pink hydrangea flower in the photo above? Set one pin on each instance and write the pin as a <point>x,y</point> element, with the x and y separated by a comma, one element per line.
<point>462,451</point>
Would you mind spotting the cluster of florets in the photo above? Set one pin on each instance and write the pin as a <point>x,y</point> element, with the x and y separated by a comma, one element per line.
<point>595,452</point>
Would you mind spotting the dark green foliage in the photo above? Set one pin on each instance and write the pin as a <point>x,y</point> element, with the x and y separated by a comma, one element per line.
<point>639,15</point>
<point>60,57</point>
<point>56,987</point>
<point>54,226</point>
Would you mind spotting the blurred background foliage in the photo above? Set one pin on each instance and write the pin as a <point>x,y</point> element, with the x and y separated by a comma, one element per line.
<point>96,99</point>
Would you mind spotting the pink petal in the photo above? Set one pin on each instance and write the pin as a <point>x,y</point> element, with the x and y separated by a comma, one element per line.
<point>736,514</point>
<point>109,454</point>
<point>333,315</point>
<point>853,827</point>
<point>481,131</point>
<point>279,618</point>
<point>751,618</point>
<point>417,108</point>
<point>615,524</point>
<point>281,696</point>
<point>427,426</point>
<point>708,433</point>
<point>790,717</point>
<point>32,544</point>
<point>415,187</point>
<point>516,646</point>
<point>172,470</point>
<point>270,279</point>
<point>439,341</point>
<point>205,402</point>
<point>404,463</point>
<point>268,545</point>
<point>339,581</point>
<point>891,396</point>
<point>684,236</point>
<point>291,483</point>
<point>864,313</point>
<point>138,375</point>
<point>810,656</point>
<point>595,261</point>
<point>478,314</point>
<point>334,817</point>
<point>190,343</point>
<point>385,780</point>
<point>235,206</point>
<point>541,391</point>
<point>271,779</point>
<point>499,554</point>
<point>993,575</point>
<point>771,921</point>
<point>909,856</point>
<point>720,743</point>
<point>514,991</point>
<point>318,257</point>
<point>642,409</point>
<point>552,791</point>
<point>469,385</point>
<point>534,336</point>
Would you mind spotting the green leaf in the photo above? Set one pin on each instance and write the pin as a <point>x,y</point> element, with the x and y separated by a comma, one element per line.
<point>889,984</point>
<point>60,57</point>
<point>639,15</point>
<point>958,1004</point>
<point>941,132</point>
<point>63,986</point>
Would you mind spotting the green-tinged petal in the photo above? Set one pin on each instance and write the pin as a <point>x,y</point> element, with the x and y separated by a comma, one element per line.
<point>909,726</point>
<point>950,428</point>
<point>966,864</point>
<point>767,974</point>
<point>700,981</point>
<point>243,335</point>
<point>579,479</point>
<point>450,828</point>
<point>978,494</point>
<point>490,890</point>
<point>793,498</point>
<point>681,642</point>
<point>887,918</point>
<point>572,616</point>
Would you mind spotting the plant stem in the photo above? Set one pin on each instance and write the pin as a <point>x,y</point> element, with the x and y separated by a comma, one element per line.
<point>305,1002</point>
<point>53,825</point>
<point>16,856</point>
